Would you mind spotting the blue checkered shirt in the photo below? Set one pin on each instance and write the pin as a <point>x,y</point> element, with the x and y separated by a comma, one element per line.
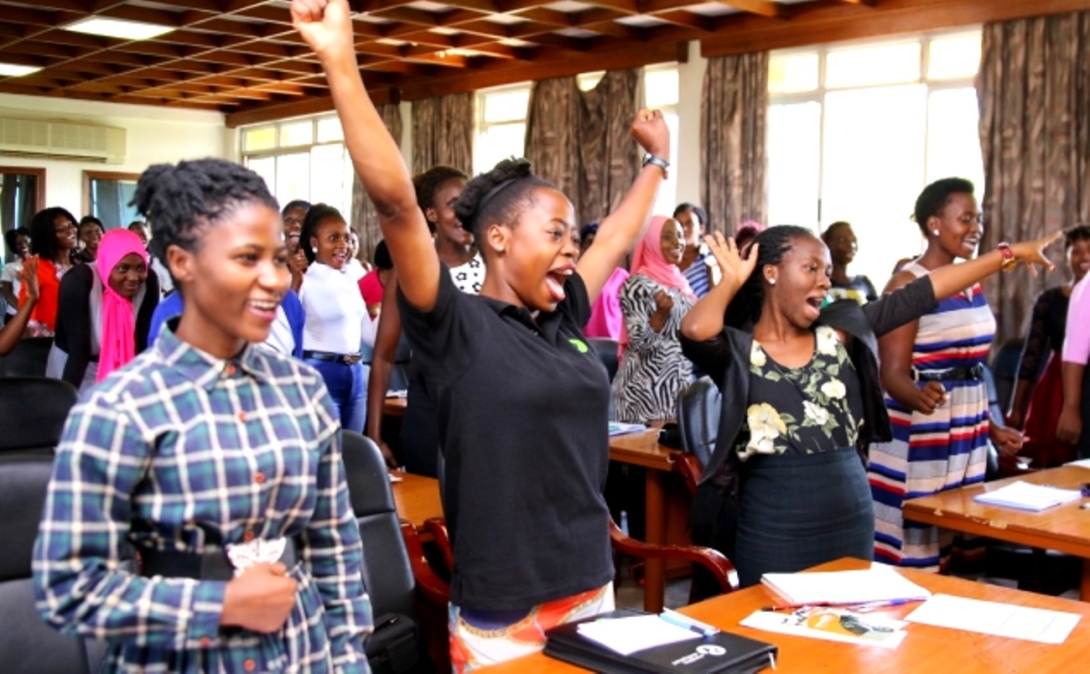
<point>180,450</point>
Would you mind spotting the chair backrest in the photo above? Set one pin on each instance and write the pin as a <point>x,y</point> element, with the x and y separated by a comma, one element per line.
<point>27,644</point>
<point>32,413</point>
<point>991,471</point>
<point>1005,369</point>
<point>698,418</point>
<point>387,573</point>
<point>607,353</point>
<point>27,359</point>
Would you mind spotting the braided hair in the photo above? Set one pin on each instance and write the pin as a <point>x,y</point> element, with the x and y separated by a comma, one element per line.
<point>774,243</point>
<point>934,197</point>
<point>315,216</point>
<point>183,199</point>
<point>498,196</point>
<point>43,231</point>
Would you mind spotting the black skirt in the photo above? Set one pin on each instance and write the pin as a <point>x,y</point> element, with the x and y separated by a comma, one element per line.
<point>799,510</point>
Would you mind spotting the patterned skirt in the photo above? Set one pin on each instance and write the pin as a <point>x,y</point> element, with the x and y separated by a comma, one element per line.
<point>481,638</point>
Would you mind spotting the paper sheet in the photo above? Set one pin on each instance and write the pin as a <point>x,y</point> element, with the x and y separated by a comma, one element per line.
<point>628,635</point>
<point>1027,496</point>
<point>1081,463</point>
<point>618,428</point>
<point>832,625</point>
<point>877,583</point>
<point>989,617</point>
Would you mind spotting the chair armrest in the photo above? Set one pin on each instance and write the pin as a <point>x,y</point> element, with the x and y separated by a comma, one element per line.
<point>430,585</point>
<point>713,560</point>
<point>436,527</point>
<point>690,469</point>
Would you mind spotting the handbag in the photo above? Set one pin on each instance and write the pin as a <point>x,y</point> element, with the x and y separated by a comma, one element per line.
<point>392,647</point>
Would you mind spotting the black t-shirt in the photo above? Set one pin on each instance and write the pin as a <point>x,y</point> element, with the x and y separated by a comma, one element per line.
<point>523,410</point>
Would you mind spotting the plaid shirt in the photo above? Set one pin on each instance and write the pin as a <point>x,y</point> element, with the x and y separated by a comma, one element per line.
<point>180,450</point>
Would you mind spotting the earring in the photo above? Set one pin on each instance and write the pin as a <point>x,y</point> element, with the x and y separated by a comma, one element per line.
<point>935,232</point>
<point>771,281</point>
<point>314,249</point>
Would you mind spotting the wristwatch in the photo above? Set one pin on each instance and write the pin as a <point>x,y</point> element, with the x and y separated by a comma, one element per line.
<point>657,161</point>
<point>1009,260</point>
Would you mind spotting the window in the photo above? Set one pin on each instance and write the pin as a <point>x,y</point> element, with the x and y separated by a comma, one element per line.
<point>856,131</point>
<point>660,92</point>
<point>106,195</point>
<point>302,159</point>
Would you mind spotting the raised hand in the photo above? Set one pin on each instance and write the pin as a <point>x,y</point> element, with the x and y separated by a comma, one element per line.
<point>734,267</point>
<point>650,131</point>
<point>325,25</point>
<point>259,599</point>
<point>29,278</point>
<point>1033,252</point>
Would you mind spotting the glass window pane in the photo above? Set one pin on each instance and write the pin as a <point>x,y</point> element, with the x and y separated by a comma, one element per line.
<point>258,140</point>
<point>660,87</point>
<point>587,81</point>
<point>953,143</point>
<point>873,170</point>
<point>327,177</point>
<point>955,56</point>
<point>875,64</point>
<point>498,142</point>
<point>505,106</point>
<point>296,133</point>
<point>794,163</point>
<point>667,196</point>
<point>293,177</point>
<point>329,130</point>
<point>792,72</point>
<point>266,168</point>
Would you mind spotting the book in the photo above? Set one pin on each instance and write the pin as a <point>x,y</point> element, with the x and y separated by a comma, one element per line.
<point>842,588</point>
<point>721,652</point>
<point>1027,496</point>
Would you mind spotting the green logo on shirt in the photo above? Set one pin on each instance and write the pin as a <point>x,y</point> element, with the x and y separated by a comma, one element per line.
<point>579,344</point>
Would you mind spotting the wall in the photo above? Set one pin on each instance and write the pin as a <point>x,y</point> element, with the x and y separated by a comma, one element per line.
<point>153,135</point>
<point>690,86</point>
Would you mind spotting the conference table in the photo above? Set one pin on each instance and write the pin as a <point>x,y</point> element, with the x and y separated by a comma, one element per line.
<point>417,497</point>
<point>394,407</point>
<point>926,648</point>
<point>1065,528</point>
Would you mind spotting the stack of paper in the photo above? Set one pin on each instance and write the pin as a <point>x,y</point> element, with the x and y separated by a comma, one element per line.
<point>628,635</point>
<point>878,583</point>
<point>618,428</point>
<point>1026,496</point>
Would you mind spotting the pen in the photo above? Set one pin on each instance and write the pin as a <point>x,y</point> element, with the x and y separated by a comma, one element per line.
<point>675,618</point>
<point>840,604</point>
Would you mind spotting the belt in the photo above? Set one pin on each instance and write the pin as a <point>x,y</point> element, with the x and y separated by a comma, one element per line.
<point>214,565</point>
<point>973,372</point>
<point>346,358</point>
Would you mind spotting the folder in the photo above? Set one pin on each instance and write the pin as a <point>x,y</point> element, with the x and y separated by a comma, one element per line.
<point>722,652</point>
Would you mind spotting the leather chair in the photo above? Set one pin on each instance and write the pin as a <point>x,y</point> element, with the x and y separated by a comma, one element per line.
<point>27,644</point>
<point>698,410</point>
<point>607,353</point>
<point>1004,368</point>
<point>32,413</point>
<point>27,359</point>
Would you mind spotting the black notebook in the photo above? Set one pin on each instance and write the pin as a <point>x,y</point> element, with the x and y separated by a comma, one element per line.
<point>720,652</point>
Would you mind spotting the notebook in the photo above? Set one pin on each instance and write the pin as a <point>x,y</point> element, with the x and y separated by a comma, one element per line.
<point>1026,496</point>
<point>722,652</point>
<point>878,583</point>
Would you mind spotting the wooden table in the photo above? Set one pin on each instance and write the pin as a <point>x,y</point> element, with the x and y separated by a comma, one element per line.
<point>394,407</point>
<point>666,511</point>
<point>1065,528</point>
<point>925,649</point>
<point>417,498</point>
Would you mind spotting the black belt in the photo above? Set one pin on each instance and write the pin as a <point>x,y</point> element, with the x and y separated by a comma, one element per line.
<point>973,372</point>
<point>199,566</point>
<point>346,358</point>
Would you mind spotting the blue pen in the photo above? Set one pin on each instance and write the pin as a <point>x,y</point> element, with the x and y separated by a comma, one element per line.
<point>675,618</point>
<point>869,606</point>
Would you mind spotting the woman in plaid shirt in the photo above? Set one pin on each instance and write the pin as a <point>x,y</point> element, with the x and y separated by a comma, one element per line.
<point>217,461</point>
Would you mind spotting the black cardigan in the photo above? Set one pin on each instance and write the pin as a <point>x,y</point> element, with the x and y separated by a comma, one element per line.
<point>726,359</point>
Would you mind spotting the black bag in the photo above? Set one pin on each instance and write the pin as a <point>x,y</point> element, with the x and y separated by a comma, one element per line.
<point>392,647</point>
<point>670,435</point>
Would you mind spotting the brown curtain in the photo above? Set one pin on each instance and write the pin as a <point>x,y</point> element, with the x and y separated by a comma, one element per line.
<point>734,105</point>
<point>1034,93</point>
<point>364,216</point>
<point>443,132</point>
<point>580,140</point>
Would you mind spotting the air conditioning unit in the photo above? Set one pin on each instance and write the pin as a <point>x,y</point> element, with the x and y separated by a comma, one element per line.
<point>62,140</point>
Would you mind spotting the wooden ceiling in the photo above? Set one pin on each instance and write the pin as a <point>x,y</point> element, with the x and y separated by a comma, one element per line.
<point>243,58</point>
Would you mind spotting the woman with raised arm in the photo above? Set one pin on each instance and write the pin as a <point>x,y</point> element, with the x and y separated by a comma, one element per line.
<point>523,401</point>
<point>218,461</point>
<point>801,398</point>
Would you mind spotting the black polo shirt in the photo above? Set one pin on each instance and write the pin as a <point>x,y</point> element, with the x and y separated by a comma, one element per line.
<point>522,410</point>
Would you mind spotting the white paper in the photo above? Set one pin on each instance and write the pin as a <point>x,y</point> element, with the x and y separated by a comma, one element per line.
<point>628,635</point>
<point>1081,463</point>
<point>878,583</point>
<point>789,623</point>
<point>989,617</point>
<point>618,428</point>
<point>1026,496</point>
<point>398,393</point>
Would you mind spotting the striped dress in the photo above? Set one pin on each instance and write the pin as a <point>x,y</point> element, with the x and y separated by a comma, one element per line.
<point>944,450</point>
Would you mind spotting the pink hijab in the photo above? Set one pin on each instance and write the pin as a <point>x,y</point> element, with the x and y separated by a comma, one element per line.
<point>118,314</point>
<point>647,259</point>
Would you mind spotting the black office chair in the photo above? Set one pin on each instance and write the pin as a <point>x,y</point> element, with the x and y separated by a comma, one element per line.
<point>387,572</point>
<point>27,644</point>
<point>698,408</point>
<point>607,352</point>
<point>1004,367</point>
<point>32,413</point>
<point>27,359</point>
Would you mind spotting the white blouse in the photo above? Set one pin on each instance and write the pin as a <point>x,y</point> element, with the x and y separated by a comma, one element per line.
<point>337,320</point>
